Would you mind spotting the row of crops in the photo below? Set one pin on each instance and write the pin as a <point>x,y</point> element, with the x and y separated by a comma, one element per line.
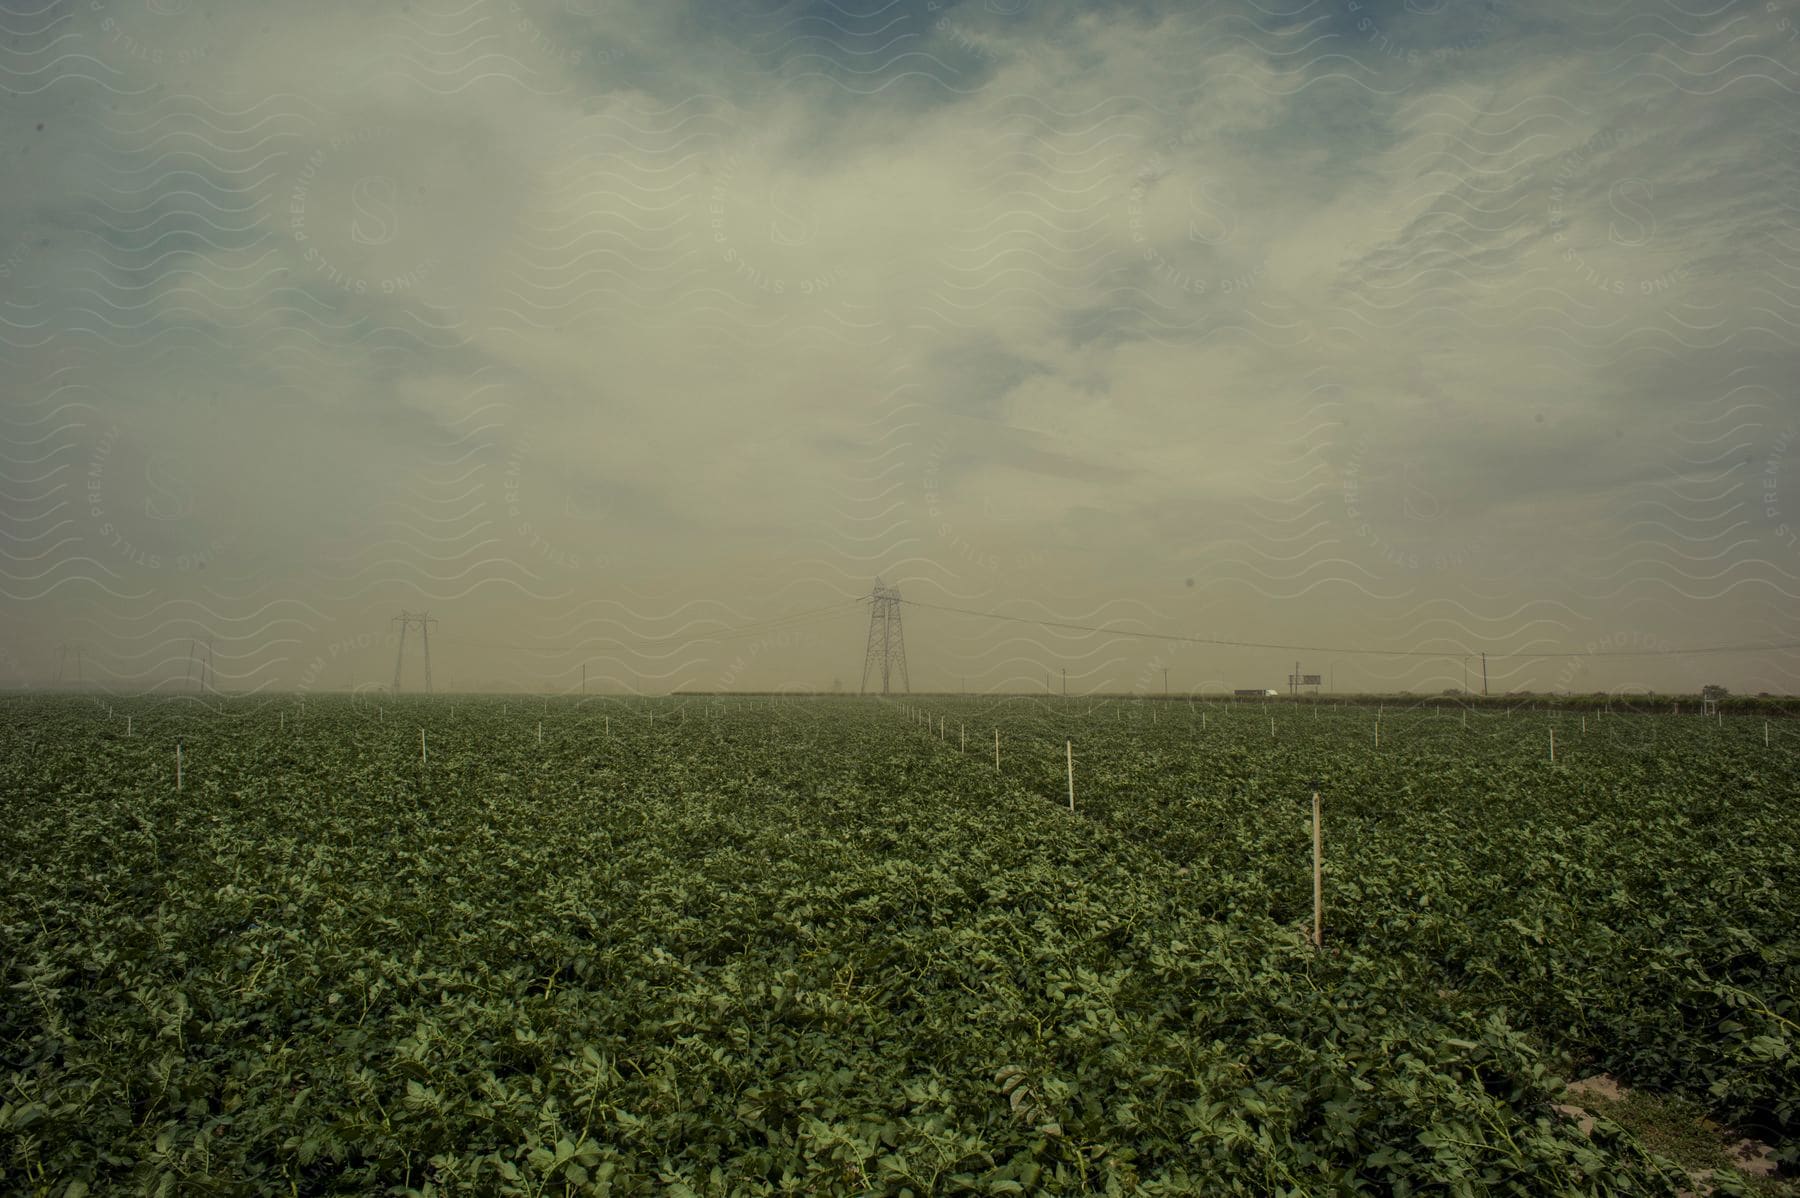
<point>1633,901</point>
<point>481,946</point>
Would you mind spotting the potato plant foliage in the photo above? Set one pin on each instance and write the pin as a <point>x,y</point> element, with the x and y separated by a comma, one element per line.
<point>760,947</point>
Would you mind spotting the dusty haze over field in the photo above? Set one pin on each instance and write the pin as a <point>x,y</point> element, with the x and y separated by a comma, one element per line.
<point>641,337</point>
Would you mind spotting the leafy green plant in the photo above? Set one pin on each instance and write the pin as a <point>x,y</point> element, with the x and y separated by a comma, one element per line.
<point>681,956</point>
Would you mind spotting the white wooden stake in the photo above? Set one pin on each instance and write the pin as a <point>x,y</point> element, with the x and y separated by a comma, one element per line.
<point>178,765</point>
<point>996,750</point>
<point>1318,875</point>
<point>540,732</point>
<point>284,721</point>
<point>963,729</point>
<point>1584,725</point>
<point>1765,729</point>
<point>421,746</point>
<point>1553,744</point>
<point>1271,725</point>
<point>1069,745</point>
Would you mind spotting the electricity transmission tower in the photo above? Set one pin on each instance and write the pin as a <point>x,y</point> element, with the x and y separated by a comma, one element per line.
<point>64,650</point>
<point>887,645</point>
<point>407,619</point>
<point>205,667</point>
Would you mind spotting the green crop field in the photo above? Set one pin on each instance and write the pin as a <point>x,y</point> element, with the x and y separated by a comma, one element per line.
<point>717,946</point>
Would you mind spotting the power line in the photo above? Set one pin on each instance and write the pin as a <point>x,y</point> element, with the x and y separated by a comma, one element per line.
<point>755,628</point>
<point>1206,640</point>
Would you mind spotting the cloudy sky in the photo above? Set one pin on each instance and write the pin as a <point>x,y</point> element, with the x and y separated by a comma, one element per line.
<point>637,337</point>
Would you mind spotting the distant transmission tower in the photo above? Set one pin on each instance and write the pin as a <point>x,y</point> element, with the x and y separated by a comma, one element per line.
<point>407,619</point>
<point>65,650</point>
<point>204,666</point>
<point>887,644</point>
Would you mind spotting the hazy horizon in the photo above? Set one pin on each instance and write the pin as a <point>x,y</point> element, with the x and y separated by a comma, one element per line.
<point>641,338</point>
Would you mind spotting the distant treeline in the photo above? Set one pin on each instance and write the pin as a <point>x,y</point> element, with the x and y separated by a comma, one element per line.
<point>1643,704</point>
<point>1637,704</point>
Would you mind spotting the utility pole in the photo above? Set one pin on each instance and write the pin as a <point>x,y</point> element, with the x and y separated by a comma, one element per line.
<point>1484,675</point>
<point>1165,682</point>
<point>1065,678</point>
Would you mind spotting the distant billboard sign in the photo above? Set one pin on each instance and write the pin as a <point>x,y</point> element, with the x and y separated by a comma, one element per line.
<point>1311,680</point>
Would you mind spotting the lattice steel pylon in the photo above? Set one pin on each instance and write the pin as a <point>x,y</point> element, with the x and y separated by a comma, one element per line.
<point>407,619</point>
<point>887,643</point>
<point>65,650</point>
<point>204,666</point>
